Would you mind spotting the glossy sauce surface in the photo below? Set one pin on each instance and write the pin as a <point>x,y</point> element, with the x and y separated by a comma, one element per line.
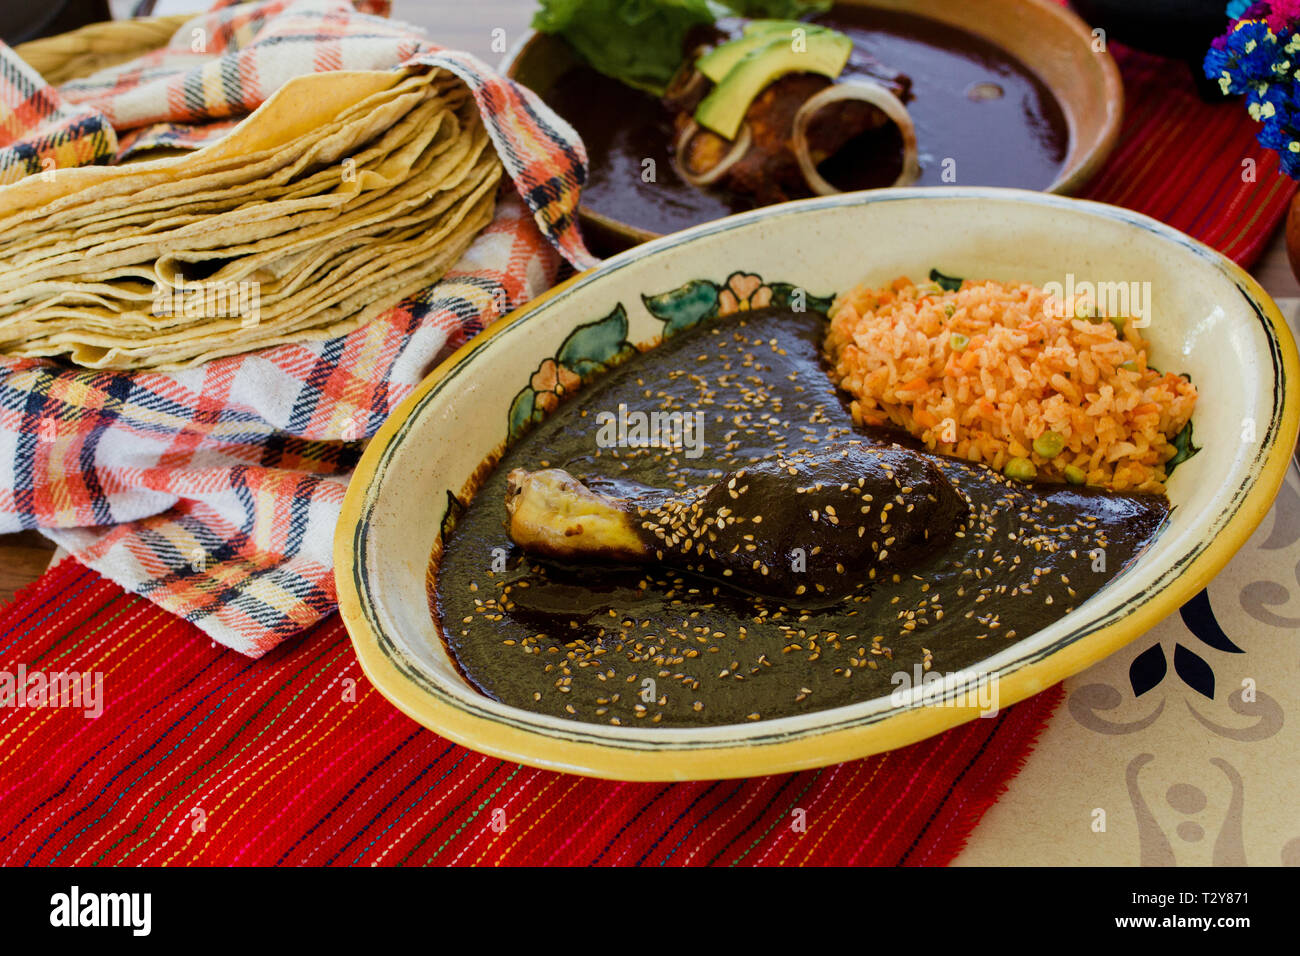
<point>583,641</point>
<point>1018,139</point>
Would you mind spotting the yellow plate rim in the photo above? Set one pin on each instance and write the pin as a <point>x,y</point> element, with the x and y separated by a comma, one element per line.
<point>780,753</point>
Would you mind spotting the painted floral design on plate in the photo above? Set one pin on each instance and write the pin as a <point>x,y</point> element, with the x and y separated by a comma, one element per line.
<point>595,347</point>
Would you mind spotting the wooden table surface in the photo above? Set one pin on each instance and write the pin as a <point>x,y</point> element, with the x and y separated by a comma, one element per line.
<point>485,28</point>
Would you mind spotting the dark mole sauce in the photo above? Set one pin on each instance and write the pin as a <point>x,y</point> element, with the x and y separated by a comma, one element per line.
<point>581,642</point>
<point>1018,139</point>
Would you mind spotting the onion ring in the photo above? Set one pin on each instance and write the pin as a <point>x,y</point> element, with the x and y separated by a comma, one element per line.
<point>688,85</point>
<point>739,147</point>
<point>879,97</point>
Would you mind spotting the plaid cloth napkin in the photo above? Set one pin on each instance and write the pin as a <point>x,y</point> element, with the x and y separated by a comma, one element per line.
<point>214,491</point>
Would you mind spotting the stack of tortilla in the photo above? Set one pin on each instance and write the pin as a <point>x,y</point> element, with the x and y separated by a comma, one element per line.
<point>342,194</point>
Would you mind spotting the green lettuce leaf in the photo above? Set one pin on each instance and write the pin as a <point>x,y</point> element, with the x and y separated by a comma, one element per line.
<point>642,42</point>
<point>778,9</point>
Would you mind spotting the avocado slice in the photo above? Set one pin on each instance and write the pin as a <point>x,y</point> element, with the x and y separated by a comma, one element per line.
<point>780,26</point>
<point>724,108</point>
<point>717,63</point>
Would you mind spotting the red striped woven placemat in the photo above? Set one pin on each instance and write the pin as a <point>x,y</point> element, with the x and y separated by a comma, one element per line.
<point>1193,165</point>
<point>204,756</point>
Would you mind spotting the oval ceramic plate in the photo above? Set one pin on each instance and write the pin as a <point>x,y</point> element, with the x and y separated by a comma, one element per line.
<point>1210,320</point>
<point>1047,38</point>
